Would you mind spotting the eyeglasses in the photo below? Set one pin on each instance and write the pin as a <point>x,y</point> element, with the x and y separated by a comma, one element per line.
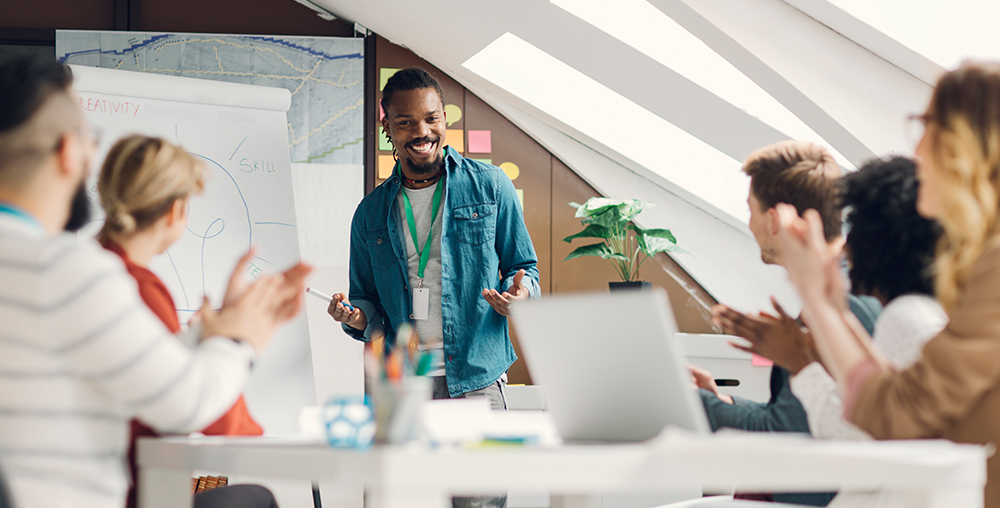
<point>916,125</point>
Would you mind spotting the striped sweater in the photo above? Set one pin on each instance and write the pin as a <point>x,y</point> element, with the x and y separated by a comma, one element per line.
<point>80,354</point>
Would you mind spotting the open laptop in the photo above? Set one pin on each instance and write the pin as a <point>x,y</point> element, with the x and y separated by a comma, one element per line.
<point>608,365</point>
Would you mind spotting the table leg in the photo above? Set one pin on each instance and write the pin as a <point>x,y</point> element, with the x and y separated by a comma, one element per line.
<point>577,501</point>
<point>164,488</point>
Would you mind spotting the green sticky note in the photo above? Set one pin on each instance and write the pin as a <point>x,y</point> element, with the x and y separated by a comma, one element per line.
<point>485,161</point>
<point>383,142</point>
<point>520,197</point>
<point>384,74</point>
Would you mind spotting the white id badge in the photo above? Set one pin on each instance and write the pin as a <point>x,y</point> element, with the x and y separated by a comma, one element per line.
<point>421,303</point>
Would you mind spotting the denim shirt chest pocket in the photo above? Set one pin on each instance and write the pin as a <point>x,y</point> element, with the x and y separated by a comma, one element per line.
<point>475,224</point>
<point>380,247</point>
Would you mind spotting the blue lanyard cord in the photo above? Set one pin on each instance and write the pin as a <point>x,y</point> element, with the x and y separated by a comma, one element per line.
<point>19,213</point>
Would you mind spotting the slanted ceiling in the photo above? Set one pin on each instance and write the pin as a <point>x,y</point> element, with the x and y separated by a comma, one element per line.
<point>850,85</point>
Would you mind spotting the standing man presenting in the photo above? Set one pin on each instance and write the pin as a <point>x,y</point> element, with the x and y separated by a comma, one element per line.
<point>441,244</point>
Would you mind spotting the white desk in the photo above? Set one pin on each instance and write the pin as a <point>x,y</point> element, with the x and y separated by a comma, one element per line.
<point>942,473</point>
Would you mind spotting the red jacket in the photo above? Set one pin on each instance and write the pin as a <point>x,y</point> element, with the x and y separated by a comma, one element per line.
<point>236,422</point>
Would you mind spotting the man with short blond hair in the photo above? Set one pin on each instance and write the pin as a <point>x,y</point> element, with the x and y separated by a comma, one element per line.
<point>799,173</point>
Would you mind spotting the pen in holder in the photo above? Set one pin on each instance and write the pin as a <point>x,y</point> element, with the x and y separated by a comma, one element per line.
<point>398,391</point>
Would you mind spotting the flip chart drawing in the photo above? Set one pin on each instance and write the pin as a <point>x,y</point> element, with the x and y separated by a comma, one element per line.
<point>238,132</point>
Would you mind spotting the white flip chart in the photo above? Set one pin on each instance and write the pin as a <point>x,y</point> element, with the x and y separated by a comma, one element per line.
<point>240,134</point>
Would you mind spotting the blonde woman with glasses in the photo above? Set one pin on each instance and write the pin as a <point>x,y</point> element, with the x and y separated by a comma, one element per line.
<point>953,390</point>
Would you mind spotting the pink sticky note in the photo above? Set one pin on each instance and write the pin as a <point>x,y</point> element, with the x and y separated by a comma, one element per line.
<point>479,142</point>
<point>760,361</point>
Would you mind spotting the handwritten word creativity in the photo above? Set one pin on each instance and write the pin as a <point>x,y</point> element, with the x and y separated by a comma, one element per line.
<point>110,107</point>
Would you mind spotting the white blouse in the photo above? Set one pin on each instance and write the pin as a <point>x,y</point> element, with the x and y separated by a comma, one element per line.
<point>905,324</point>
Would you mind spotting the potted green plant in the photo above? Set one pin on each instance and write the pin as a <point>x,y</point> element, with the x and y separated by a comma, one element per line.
<point>611,221</point>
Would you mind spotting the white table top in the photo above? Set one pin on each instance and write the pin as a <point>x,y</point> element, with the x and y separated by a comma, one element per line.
<point>750,461</point>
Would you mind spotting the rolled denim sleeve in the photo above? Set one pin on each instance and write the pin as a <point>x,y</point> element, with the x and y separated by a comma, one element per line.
<point>363,293</point>
<point>513,243</point>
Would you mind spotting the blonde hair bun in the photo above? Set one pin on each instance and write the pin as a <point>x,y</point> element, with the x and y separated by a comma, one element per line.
<point>141,179</point>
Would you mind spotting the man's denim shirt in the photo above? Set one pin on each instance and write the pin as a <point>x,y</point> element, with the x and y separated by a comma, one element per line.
<point>482,236</point>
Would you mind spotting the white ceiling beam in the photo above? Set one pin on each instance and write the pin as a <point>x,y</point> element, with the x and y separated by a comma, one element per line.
<point>580,45</point>
<point>870,38</point>
<point>855,99</point>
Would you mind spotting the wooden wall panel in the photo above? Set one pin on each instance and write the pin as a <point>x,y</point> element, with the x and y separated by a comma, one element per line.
<point>65,14</point>
<point>270,17</point>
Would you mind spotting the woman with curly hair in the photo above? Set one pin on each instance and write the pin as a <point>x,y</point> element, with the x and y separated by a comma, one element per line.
<point>890,248</point>
<point>953,390</point>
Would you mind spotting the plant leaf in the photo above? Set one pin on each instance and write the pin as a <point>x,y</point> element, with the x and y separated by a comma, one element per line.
<point>657,233</point>
<point>600,250</point>
<point>596,206</point>
<point>610,217</point>
<point>632,207</point>
<point>591,231</point>
<point>652,245</point>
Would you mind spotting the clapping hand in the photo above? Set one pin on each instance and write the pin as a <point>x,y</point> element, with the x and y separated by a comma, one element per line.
<point>251,311</point>
<point>812,267</point>
<point>779,338</point>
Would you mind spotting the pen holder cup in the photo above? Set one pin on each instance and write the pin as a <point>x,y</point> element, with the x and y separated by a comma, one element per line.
<point>397,408</point>
<point>349,422</point>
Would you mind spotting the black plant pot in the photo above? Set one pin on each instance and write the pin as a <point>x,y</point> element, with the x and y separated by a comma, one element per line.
<point>634,285</point>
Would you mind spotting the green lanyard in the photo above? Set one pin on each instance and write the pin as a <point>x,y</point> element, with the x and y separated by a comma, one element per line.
<point>425,253</point>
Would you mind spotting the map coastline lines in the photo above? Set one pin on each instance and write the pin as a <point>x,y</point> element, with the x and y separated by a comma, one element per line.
<point>325,76</point>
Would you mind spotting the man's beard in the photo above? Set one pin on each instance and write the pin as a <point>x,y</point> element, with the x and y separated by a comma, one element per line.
<point>79,211</point>
<point>431,168</point>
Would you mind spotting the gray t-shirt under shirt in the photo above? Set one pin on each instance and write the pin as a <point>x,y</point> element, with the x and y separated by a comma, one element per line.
<point>429,330</point>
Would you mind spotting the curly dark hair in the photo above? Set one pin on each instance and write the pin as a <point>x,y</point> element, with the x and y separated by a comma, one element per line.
<point>411,78</point>
<point>891,247</point>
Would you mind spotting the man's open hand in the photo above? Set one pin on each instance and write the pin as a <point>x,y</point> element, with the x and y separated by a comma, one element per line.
<point>501,302</point>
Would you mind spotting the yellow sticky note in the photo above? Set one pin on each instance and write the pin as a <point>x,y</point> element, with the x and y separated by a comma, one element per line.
<point>384,74</point>
<point>456,139</point>
<point>511,170</point>
<point>453,113</point>
<point>520,197</point>
<point>385,166</point>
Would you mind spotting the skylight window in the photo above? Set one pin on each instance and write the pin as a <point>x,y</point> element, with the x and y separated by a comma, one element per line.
<point>601,113</point>
<point>650,31</point>
<point>945,32</point>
